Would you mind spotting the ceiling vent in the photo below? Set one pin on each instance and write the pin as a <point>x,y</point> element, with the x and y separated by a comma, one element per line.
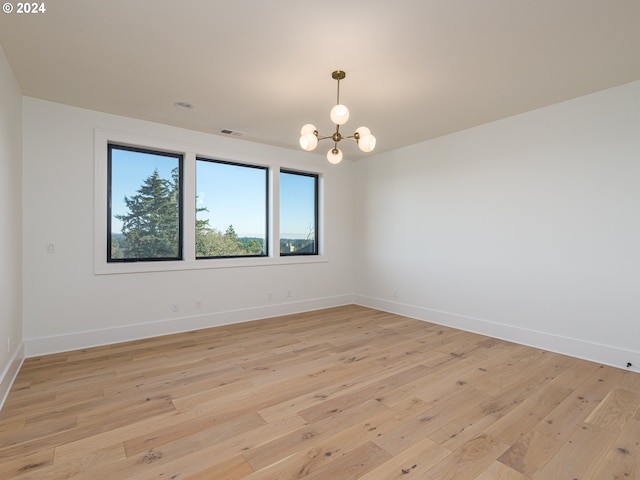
<point>232,132</point>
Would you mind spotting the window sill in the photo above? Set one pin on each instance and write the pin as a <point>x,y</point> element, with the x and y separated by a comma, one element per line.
<point>205,264</point>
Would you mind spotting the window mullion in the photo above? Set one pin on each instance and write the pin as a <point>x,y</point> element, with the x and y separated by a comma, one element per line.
<point>274,205</point>
<point>189,205</point>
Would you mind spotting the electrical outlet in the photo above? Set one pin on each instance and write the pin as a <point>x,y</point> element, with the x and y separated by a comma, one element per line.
<point>289,294</point>
<point>269,296</point>
<point>395,293</point>
<point>198,304</point>
<point>175,307</point>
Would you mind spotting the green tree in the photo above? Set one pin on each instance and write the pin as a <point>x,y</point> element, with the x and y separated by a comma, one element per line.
<point>151,225</point>
<point>211,242</point>
<point>116,251</point>
<point>252,246</point>
<point>231,233</point>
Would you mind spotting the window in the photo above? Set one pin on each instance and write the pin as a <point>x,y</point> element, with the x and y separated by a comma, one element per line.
<point>298,213</point>
<point>231,209</point>
<point>144,205</point>
<point>165,205</point>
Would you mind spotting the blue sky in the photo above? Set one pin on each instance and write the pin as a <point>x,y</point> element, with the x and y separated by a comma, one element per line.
<point>233,195</point>
<point>129,170</point>
<point>297,199</point>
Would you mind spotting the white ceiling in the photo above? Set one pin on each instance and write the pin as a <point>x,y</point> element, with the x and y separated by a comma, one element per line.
<point>416,69</point>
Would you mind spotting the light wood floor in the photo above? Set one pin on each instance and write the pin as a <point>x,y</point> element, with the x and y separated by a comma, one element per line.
<point>343,393</point>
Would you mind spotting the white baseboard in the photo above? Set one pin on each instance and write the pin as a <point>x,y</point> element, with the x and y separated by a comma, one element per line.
<point>591,351</point>
<point>94,338</point>
<point>586,350</point>
<point>10,373</point>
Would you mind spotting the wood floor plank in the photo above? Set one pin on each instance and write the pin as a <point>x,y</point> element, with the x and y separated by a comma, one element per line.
<point>623,459</point>
<point>332,445</point>
<point>580,456</point>
<point>525,416</point>
<point>338,379</point>
<point>431,418</point>
<point>437,377</point>
<point>535,448</point>
<point>295,368</point>
<point>232,469</point>
<point>615,411</point>
<point>73,467</point>
<point>352,465</point>
<point>372,391</point>
<point>470,460</point>
<point>202,424</point>
<point>499,471</point>
<point>40,429</point>
<point>412,462</point>
<point>189,456</point>
<point>341,393</point>
<point>476,420</point>
<point>16,466</point>
<point>304,438</point>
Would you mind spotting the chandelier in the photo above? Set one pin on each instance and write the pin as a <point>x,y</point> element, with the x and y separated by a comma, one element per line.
<point>309,136</point>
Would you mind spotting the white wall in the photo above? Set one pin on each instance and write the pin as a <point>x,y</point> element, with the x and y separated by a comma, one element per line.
<point>526,228</point>
<point>67,306</point>
<point>10,227</point>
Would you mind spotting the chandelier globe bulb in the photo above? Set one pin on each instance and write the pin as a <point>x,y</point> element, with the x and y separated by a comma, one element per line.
<point>339,115</point>
<point>334,156</point>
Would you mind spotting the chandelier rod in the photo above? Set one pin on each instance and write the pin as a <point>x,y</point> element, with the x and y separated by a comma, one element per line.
<point>338,75</point>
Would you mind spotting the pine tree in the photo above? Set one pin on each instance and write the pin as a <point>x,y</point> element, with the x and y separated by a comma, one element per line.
<point>151,225</point>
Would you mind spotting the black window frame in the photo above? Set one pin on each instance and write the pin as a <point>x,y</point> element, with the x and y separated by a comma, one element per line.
<point>180,157</point>
<point>266,170</point>
<point>316,214</point>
